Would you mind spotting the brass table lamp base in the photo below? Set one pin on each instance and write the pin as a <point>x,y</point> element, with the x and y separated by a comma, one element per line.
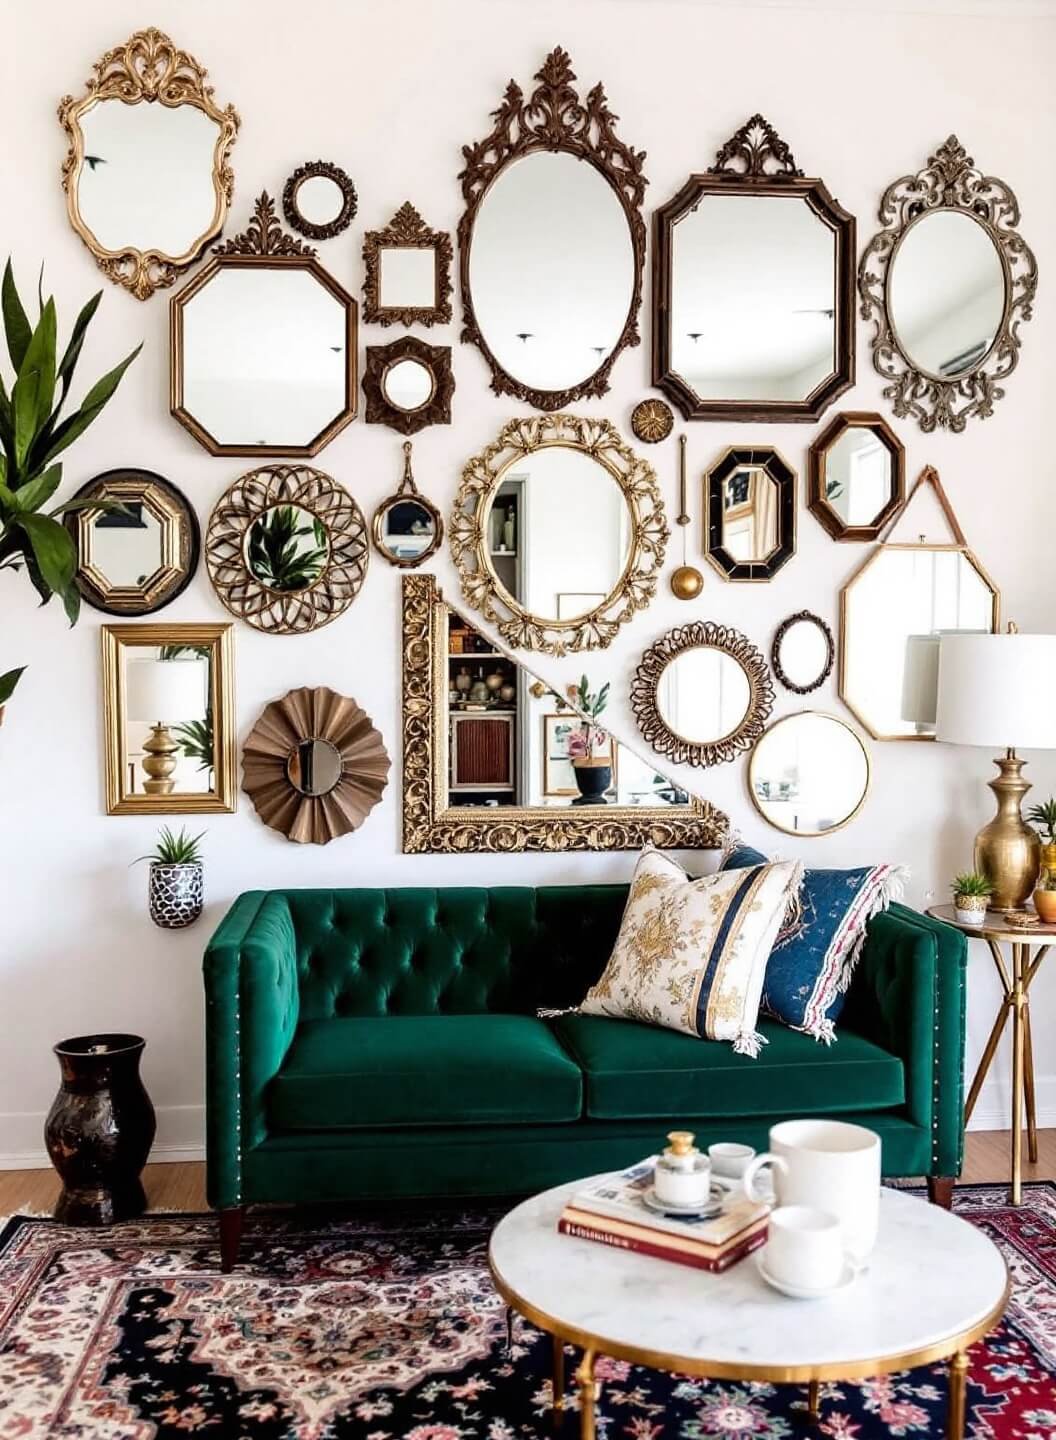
<point>159,761</point>
<point>1008,851</point>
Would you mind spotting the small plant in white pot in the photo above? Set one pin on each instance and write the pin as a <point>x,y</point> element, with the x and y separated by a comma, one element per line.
<point>971,896</point>
<point>176,888</point>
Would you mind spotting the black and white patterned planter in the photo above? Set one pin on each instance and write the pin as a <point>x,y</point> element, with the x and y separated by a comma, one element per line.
<point>176,893</point>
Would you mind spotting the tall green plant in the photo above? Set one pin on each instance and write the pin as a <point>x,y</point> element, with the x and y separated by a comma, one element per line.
<point>33,433</point>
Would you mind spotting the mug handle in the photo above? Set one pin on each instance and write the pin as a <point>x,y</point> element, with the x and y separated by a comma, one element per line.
<point>753,1169</point>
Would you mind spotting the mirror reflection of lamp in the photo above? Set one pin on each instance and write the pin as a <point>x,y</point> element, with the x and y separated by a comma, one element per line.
<point>920,678</point>
<point>160,693</point>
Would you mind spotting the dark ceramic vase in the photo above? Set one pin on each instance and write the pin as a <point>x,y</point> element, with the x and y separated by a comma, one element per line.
<point>593,781</point>
<point>100,1129</point>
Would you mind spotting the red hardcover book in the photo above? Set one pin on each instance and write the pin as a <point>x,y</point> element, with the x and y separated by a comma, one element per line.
<point>656,1246</point>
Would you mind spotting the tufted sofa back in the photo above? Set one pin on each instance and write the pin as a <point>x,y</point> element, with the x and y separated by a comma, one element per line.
<point>445,951</point>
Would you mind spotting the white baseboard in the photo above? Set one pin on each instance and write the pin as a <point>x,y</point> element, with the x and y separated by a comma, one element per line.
<point>180,1136</point>
<point>994,1106</point>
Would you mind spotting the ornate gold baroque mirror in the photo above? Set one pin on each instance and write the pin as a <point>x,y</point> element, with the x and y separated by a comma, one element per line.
<point>408,385</point>
<point>168,719</point>
<point>407,527</point>
<point>701,694</point>
<point>558,532</point>
<point>147,176</point>
<point>408,272</point>
<point>314,765</point>
<point>753,288</point>
<point>492,755</point>
<point>857,476</point>
<point>750,509</point>
<point>552,241</point>
<point>947,282</point>
<point>263,355</point>
<point>894,611</point>
<point>809,773</point>
<point>135,559</point>
<point>286,549</point>
<point>319,200</point>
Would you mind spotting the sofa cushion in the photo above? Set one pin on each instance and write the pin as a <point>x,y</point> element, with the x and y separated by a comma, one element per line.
<point>424,1070</point>
<point>633,1071</point>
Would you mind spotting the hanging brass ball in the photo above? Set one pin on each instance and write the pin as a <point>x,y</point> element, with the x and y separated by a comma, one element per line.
<point>686,582</point>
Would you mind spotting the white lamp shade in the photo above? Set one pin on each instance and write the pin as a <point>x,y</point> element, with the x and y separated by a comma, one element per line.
<point>998,691</point>
<point>166,691</point>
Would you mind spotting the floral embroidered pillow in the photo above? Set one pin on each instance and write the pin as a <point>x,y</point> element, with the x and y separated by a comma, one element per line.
<point>691,954</point>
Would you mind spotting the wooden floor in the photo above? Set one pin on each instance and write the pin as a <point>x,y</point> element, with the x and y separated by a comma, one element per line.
<point>182,1186</point>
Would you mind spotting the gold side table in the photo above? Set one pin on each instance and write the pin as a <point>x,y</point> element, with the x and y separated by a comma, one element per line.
<point>1016,979</point>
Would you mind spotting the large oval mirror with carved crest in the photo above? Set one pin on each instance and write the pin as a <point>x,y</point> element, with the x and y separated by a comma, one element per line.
<point>552,242</point>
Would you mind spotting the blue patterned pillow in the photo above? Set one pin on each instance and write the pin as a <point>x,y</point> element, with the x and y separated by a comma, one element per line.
<point>813,959</point>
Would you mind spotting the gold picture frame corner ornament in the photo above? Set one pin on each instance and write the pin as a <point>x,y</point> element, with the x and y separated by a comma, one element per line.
<point>147,68</point>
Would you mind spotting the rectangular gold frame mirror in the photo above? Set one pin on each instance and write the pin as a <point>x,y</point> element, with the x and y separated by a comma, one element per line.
<point>442,811</point>
<point>158,762</point>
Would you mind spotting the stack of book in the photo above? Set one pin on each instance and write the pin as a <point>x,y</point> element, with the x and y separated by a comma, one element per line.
<point>612,1211</point>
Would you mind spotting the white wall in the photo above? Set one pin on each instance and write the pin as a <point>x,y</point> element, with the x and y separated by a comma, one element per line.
<point>391,92</point>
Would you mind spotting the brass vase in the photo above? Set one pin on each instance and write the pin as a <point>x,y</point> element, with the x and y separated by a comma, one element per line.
<point>1008,851</point>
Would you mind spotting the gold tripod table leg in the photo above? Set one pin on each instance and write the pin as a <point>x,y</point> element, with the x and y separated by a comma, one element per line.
<point>585,1380</point>
<point>958,1388</point>
<point>1018,1003</point>
<point>1028,1080</point>
<point>988,1055</point>
<point>559,1377</point>
<point>814,1399</point>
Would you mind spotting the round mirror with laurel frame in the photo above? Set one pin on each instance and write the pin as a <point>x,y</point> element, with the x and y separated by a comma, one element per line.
<point>702,694</point>
<point>558,532</point>
<point>286,549</point>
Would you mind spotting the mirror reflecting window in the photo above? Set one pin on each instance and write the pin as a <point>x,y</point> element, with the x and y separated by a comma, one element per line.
<point>264,347</point>
<point>168,718</point>
<point>319,200</point>
<point>287,548</point>
<point>408,385</point>
<point>408,272</point>
<point>857,476</point>
<point>809,773</point>
<point>314,767</point>
<point>754,288</point>
<point>750,496</point>
<point>892,614</point>
<point>552,241</point>
<point>147,183</point>
<point>803,652</point>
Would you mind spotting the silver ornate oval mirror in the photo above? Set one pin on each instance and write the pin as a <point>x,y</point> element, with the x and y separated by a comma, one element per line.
<point>552,241</point>
<point>147,177</point>
<point>809,773</point>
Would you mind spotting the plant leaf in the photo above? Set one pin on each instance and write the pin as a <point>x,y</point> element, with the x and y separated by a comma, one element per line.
<point>71,602</point>
<point>73,350</point>
<point>91,405</point>
<point>35,387</point>
<point>38,491</point>
<point>8,681</point>
<point>17,328</point>
<point>53,550</point>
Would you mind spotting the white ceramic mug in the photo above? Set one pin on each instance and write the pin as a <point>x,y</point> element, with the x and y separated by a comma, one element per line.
<point>829,1165</point>
<point>729,1159</point>
<point>804,1248</point>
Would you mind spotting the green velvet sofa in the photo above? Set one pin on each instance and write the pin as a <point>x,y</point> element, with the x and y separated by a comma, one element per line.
<point>367,1045</point>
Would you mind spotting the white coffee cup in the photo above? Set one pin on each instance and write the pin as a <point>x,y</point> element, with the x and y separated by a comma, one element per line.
<point>804,1248</point>
<point>729,1159</point>
<point>829,1165</point>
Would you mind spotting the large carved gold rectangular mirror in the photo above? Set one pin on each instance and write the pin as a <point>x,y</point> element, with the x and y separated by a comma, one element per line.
<point>490,754</point>
<point>168,719</point>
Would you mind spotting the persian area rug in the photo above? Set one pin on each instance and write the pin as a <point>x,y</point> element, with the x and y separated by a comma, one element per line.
<point>389,1329</point>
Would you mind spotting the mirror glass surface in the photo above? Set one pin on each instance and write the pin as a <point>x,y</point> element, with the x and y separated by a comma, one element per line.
<point>946,293</point>
<point>264,356</point>
<point>147,177</point>
<point>287,548</point>
<point>314,767</point>
<point>753,298</point>
<point>808,773</point>
<point>894,611</point>
<point>703,694</point>
<point>406,277</point>
<point>507,745</point>
<point>750,514</point>
<point>407,529</point>
<point>558,526</point>
<point>408,384</point>
<point>170,685</point>
<point>551,269</point>
<point>859,476</point>
<point>127,548</point>
<point>319,199</point>
<point>803,652</point>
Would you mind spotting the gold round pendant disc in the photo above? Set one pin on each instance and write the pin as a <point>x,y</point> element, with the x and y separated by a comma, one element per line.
<point>652,420</point>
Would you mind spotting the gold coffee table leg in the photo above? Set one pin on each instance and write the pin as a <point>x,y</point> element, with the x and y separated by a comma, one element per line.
<point>813,1399</point>
<point>958,1385</point>
<point>559,1377</point>
<point>585,1380</point>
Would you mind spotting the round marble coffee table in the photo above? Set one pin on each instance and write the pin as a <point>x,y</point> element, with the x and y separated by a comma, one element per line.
<point>934,1286</point>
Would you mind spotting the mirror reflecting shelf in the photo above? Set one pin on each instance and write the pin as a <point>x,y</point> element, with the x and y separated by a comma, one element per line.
<point>808,773</point>
<point>857,476</point>
<point>750,509</point>
<point>147,177</point>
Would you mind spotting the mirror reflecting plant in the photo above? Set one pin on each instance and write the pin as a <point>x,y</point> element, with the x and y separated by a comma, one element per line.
<point>287,548</point>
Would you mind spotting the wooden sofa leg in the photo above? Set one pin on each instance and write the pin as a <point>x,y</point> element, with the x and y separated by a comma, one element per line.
<point>230,1234</point>
<point>940,1190</point>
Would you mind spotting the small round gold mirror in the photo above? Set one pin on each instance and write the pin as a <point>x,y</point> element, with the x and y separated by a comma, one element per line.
<point>809,773</point>
<point>407,527</point>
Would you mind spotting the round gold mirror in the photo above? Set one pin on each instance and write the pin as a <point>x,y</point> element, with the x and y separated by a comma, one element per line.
<point>809,773</point>
<point>407,527</point>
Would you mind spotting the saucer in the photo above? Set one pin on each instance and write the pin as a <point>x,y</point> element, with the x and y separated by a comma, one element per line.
<point>707,1211</point>
<point>801,1292</point>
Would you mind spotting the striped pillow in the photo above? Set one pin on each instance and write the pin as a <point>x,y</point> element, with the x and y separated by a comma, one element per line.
<point>691,954</point>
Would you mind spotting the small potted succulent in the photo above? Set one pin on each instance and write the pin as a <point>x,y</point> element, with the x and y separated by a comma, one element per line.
<point>593,772</point>
<point>971,893</point>
<point>176,889</point>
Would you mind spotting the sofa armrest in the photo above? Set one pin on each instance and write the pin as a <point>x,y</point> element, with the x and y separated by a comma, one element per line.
<point>251,1010</point>
<point>908,995</point>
